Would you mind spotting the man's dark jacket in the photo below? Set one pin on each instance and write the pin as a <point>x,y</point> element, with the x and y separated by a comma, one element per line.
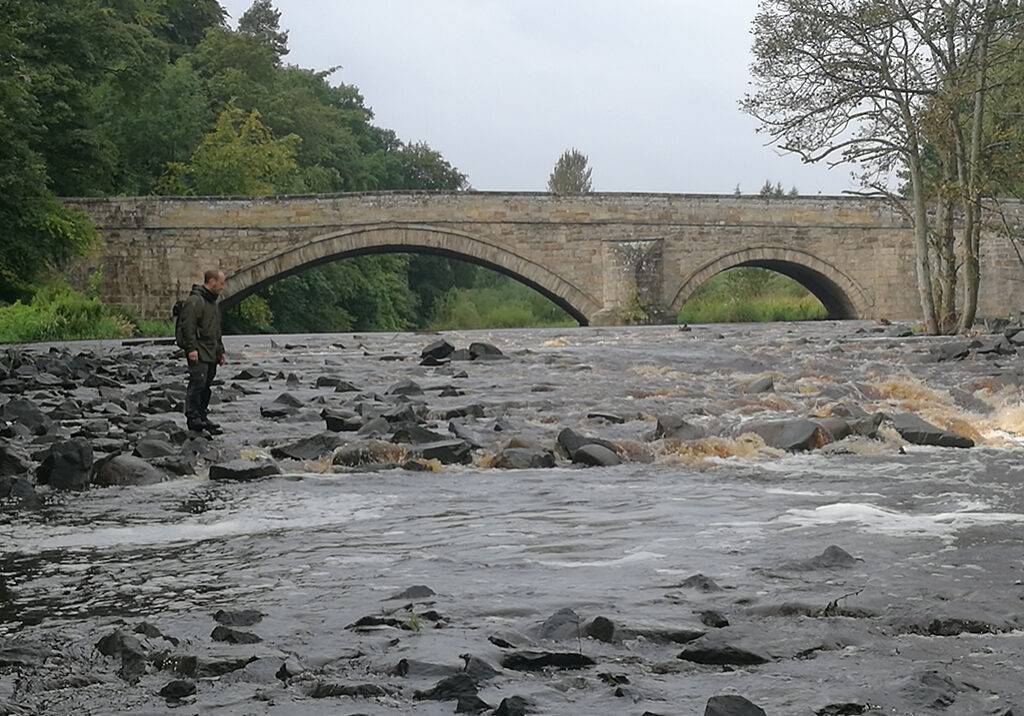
<point>200,324</point>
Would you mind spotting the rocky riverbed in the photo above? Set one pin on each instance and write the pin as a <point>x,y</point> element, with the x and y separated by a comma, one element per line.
<point>789,519</point>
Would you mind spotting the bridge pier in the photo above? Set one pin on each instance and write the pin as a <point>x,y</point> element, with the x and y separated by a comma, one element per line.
<point>633,283</point>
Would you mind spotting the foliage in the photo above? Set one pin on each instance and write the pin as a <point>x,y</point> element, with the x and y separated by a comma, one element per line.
<point>57,312</point>
<point>880,84</point>
<point>496,301</point>
<point>750,294</point>
<point>571,174</point>
<point>262,22</point>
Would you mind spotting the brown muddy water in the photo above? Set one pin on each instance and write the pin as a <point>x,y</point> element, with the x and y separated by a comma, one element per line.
<point>926,617</point>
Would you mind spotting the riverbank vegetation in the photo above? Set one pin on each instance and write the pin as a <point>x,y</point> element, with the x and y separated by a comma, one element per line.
<point>750,294</point>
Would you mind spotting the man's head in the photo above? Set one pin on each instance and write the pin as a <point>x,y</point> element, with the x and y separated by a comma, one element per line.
<point>213,280</point>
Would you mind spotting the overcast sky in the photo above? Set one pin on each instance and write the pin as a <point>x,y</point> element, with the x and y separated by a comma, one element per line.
<point>647,89</point>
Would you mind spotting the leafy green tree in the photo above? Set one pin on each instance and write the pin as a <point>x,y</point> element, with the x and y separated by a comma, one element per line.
<point>571,174</point>
<point>262,22</point>
<point>240,157</point>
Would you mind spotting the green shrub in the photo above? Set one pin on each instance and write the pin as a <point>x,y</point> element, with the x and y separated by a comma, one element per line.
<point>496,301</point>
<point>750,295</point>
<point>59,313</point>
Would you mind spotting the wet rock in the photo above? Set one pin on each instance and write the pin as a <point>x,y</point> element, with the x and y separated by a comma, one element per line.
<point>250,374</point>
<point>451,688</point>
<point>404,414</point>
<point>563,624</point>
<point>995,344</point>
<point>420,669</point>
<point>202,667</point>
<point>790,435</point>
<point>713,619</point>
<point>404,387</point>
<point>594,455</point>
<point>724,654</point>
<point>509,640</point>
<point>836,428</point>
<point>24,655</point>
<point>341,421</point>
<point>416,434</point>
<point>240,617</point>
<point>673,427</point>
<point>417,591</point>
<point>438,350</point>
<point>761,385</point>
<point>518,458</point>
<point>20,491</point>
<point>847,708</point>
<point>147,629</point>
<point>600,628</point>
<point>467,411</point>
<point>606,417</point>
<point>233,636</point>
<point>126,470</point>
<point>369,452</point>
<point>570,441</point>
<point>537,660</point>
<point>243,470</point>
<point>311,448</point>
<point>515,706</point>
<point>26,413</point>
<point>701,583</point>
<point>953,627</point>
<point>150,448</point>
<point>12,462</point>
<point>374,428</point>
<point>732,705</point>
<point>918,431</point>
<point>133,657</point>
<point>479,350</point>
<point>446,451</point>
<point>324,690</point>
<point>661,634</point>
<point>178,689</point>
<point>67,465</point>
<point>832,557</point>
<point>929,690</point>
<point>478,669</point>
<point>953,350</point>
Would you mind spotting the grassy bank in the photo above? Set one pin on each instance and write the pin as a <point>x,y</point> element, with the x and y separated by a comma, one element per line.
<point>496,301</point>
<point>59,313</point>
<point>750,294</point>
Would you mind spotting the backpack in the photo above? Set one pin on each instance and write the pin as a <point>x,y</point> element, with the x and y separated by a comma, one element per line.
<point>179,336</point>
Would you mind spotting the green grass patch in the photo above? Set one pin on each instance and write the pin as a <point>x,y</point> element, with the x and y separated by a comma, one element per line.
<point>751,295</point>
<point>59,313</point>
<point>496,301</point>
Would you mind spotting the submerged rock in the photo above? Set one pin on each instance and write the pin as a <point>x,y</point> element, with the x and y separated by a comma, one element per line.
<point>243,470</point>
<point>127,470</point>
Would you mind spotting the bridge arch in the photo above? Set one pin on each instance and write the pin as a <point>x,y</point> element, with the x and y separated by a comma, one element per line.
<point>842,297</point>
<point>407,238</point>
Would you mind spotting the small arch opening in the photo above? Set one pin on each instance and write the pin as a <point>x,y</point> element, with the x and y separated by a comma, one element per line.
<point>753,293</point>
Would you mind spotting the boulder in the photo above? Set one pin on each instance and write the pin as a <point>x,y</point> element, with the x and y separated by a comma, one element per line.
<point>233,636</point>
<point>438,350</point>
<point>238,617</point>
<point>151,447</point>
<point>515,706</point>
<point>673,427</point>
<point>25,412</point>
<point>761,385</point>
<point>517,458</point>
<point>732,705</point>
<point>539,660</point>
<point>416,435</point>
<point>721,655</point>
<point>594,455</point>
<point>563,625</point>
<point>12,462</point>
<point>127,470</point>
<point>178,689</point>
<point>339,421</point>
<point>67,465</point>
<point>311,448</point>
<point>601,629</point>
<point>917,431</point>
<point>571,441</point>
<point>404,387</point>
<point>479,350</point>
<point>791,435</point>
<point>446,451</point>
<point>243,470</point>
<point>21,490</point>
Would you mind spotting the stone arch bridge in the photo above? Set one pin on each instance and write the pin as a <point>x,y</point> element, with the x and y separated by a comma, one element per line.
<point>605,258</point>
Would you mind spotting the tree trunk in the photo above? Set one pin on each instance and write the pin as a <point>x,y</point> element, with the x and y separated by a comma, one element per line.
<point>921,250</point>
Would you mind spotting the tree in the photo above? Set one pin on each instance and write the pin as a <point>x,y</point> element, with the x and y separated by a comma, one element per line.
<point>875,83</point>
<point>262,23</point>
<point>571,174</point>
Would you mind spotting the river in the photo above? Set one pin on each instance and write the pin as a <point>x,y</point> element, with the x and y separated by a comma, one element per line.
<point>724,525</point>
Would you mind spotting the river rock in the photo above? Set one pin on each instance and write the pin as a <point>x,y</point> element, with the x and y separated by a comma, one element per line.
<point>339,421</point>
<point>233,636</point>
<point>24,412</point>
<point>563,624</point>
<point>311,448</point>
<point>438,350</point>
<point>404,387</point>
<point>243,470</point>
<point>538,660</point>
<point>713,618</point>
<point>446,451</point>
<point>324,690</point>
<point>953,350</point>
<point>673,427</point>
<point>791,435</point>
<point>761,385</point>
<point>369,452</point>
<point>517,458</point>
<point>732,705</point>
<point>126,470</point>
<point>150,448</point>
<point>571,441</point>
<point>928,690</point>
<point>239,617</point>
<point>701,583</point>
<point>479,350</point>
<point>722,655</point>
<point>19,490</point>
<point>594,455</point>
<point>67,465</point>
<point>600,628</point>
<point>918,431</point>
<point>12,461</point>
<point>417,435</point>
<point>515,706</point>
<point>178,689</point>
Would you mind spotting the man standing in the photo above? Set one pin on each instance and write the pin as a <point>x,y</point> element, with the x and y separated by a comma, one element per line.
<point>201,339</point>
